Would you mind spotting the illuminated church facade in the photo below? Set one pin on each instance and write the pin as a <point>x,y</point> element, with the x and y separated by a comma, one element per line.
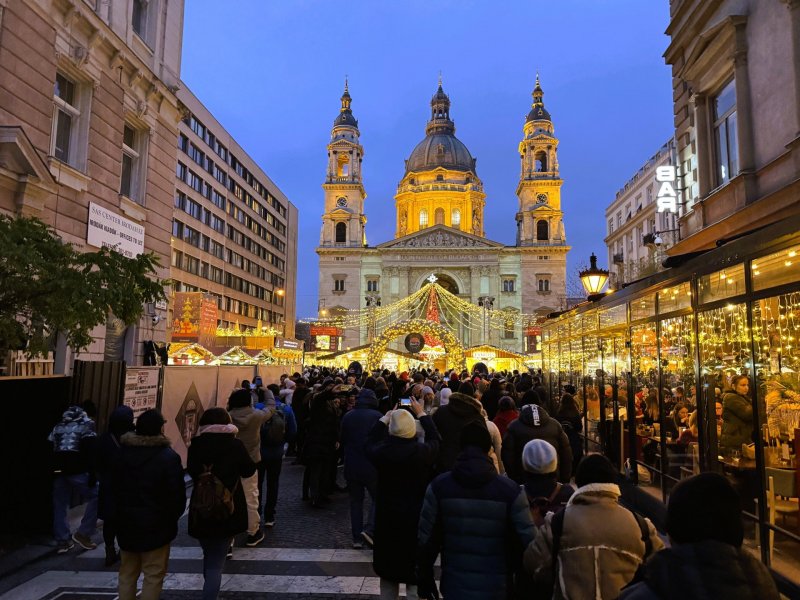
<point>439,230</point>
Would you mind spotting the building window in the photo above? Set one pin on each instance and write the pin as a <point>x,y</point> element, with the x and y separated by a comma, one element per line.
<point>372,285</point>
<point>341,233</point>
<point>544,285</point>
<point>508,331</point>
<point>131,183</point>
<point>423,218</point>
<point>508,285</point>
<point>542,230</point>
<point>455,218</point>
<point>438,216</point>
<point>611,226</point>
<point>541,161</point>
<point>725,140</point>
<point>70,125</point>
<point>140,19</point>
<point>338,285</point>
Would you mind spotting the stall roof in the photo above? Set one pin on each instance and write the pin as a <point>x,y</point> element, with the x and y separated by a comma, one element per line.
<point>499,352</point>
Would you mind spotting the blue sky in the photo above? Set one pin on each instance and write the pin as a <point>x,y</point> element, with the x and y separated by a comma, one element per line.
<point>272,72</point>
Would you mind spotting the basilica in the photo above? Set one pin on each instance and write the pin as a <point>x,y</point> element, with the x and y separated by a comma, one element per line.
<point>439,231</point>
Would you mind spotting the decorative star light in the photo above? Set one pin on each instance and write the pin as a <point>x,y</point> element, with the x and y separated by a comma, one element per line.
<point>433,278</point>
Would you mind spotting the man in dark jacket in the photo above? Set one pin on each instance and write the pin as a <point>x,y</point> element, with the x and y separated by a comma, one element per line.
<point>705,559</point>
<point>535,423</point>
<point>149,498</point>
<point>358,470</point>
<point>450,420</point>
<point>478,520</point>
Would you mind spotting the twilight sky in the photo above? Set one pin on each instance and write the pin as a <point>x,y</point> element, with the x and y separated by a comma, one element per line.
<point>272,72</point>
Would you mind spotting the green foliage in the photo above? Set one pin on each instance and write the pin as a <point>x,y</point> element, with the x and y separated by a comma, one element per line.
<point>46,287</point>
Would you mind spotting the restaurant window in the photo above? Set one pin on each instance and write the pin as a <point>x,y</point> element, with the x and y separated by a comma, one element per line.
<point>643,307</point>
<point>675,298</point>
<point>725,138</point>
<point>776,269</point>
<point>721,284</point>
<point>647,396</point>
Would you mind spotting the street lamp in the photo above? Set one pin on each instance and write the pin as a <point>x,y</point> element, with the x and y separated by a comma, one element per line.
<point>593,279</point>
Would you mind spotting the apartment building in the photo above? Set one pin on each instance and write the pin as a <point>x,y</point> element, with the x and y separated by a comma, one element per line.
<point>88,122</point>
<point>638,234</point>
<point>234,233</point>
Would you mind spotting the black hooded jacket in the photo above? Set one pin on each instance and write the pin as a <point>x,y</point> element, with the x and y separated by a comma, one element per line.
<point>535,423</point>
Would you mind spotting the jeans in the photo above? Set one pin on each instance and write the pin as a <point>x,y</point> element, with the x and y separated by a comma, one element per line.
<point>153,564</point>
<point>269,469</point>
<point>356,490</point>
<point>63,486</point>
<point>391,591</point>
<point>250,488</point>
<point>214,551</point>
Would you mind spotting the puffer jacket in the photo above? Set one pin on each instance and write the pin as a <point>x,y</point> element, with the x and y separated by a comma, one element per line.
<point>249,421</point>
<point>450,420</point>
<point>479,521</point>
<point>535,423</point>
<point>149,492</point>
<point>355,428</point>
<point>73,442</point>
<point>600,549</point>
<point>737,421</point>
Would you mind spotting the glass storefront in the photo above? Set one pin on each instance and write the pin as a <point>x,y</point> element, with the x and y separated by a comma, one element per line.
<point>699,373</point>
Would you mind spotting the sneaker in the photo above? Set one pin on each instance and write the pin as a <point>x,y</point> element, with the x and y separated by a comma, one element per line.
<point>65,546</point>
<point>270,523</point>
<point>367,538</point>
<point>255,539</point>
<point>229,553</point>
<point>83,541</point>
<point>358,545</point>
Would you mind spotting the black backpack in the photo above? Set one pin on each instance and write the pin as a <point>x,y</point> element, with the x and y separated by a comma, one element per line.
<point>211,499</point>
<point>273,432</point>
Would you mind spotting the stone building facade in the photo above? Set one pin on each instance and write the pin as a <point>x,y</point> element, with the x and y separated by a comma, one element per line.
<point>439,229</point>
<point>88,120</point>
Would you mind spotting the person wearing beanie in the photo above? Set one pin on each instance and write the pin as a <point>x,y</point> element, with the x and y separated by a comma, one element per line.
<point>404,467</point>
<point>149,497</point>
<point>545,493</point>
<point>534,422</point>
<point>601,543</point>
<point>704,524</point>
<point>450,419</point>
<point>472,516</point>
<point>506,413</point>
<point>359,472</point>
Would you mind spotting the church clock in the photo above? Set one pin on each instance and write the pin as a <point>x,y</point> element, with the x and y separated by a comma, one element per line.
<point>541,198</point>
<point>341,202</point>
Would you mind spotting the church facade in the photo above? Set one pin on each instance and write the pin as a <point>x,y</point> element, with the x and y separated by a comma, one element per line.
<point>439,230</point>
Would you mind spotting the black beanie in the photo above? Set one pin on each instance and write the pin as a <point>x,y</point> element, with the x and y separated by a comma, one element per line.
<point>475,434</point>
<point>149,422</point>
<point>595,468</point>
<point>705,507</point>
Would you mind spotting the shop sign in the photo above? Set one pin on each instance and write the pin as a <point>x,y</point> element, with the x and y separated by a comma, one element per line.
<point>415,342</point>
<point>141,389</point>
<point>325,330</point>
<point>288,344</point>
<point>195,318</point>
<point>666,198</point>
<point>533,331</point>
<point>107,229</point>
<point>323,342</point>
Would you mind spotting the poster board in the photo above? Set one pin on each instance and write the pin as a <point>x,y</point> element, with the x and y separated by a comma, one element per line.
<point>188,392</point>
<point>141,389</point>
<point>230,378</point>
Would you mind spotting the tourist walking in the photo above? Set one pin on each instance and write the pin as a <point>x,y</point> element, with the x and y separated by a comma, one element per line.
<point>460,410</point>
<point>535,423</point>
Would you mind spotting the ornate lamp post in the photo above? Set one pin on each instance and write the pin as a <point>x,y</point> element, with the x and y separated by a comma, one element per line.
<point>593,279</point>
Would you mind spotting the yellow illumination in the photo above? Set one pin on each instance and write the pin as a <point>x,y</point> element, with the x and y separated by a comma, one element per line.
<point>756,272</point>
<point>792,254</point>
<point>788,263</point>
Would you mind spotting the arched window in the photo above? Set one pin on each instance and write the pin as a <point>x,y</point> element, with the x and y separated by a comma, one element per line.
<point>343,164</point>
<point>541,161</point>
<point>455,218</point>
<point>341,232</point>
<point>440,178</point>
<point>542,230</point>
<point>438,216</point>
<point>423,218</point>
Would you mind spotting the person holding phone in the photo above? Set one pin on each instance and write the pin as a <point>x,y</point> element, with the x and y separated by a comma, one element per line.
<point>404,469</point>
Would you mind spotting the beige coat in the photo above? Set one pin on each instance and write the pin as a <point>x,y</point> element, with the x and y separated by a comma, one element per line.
<point>601,546</point>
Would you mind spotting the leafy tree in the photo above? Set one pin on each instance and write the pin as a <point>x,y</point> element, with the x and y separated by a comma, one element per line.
<point>47,287</point>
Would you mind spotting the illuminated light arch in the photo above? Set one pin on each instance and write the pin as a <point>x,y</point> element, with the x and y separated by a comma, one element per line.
<point>453,348</point>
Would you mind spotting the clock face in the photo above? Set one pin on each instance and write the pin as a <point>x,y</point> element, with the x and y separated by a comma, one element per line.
<point>541,198</point>
<point>341,202</point>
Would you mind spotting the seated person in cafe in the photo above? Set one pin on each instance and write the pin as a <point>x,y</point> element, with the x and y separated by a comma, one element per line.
<point>737,416</point>
<point>689,436</point>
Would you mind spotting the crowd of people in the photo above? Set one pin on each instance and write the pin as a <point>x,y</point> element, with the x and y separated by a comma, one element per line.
<point>484,471</point>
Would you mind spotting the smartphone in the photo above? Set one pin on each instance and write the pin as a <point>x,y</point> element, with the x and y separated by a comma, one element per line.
<point>405,401</point>
<point>445,379</point>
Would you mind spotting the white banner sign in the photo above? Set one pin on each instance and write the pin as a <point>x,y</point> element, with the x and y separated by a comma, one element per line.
<point>109,230</point>
<point>667,198</point>
<point>141,389</point>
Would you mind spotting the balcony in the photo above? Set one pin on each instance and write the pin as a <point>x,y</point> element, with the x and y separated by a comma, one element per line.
<point>540,175</point>
<point>618,258</point>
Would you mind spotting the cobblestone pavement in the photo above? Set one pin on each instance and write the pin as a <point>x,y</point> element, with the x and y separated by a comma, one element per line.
<point>306,555</point>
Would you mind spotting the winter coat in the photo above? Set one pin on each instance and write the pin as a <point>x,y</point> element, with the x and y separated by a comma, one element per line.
<point>480,523</point>
<point>544,397</point>
<point>737,421</point>
<point>73,441</point>
<point>149,492</point>
<point>217,447</point>
<point>404,468</point>
<point>356,426</point>
<point>600,549</point>
<point>535,423</point>
<point>497,447</point>
<point>274,450</point>
<point>249,420</point>
<point>322,429</point>
<point>707,570</point>
<point>490,400</point>
<point>450,420</point>
<point>107,452</point>
<point>542,486</point>
<point>503,419</point>
<point>573,426</point>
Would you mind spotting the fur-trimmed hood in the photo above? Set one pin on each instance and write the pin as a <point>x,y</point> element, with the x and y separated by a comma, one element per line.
<point>145,441</point>
<point>464,405</point>
<point>592,492</point>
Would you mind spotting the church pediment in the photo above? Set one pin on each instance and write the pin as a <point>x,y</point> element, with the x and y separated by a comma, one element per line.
<point>440,236</point>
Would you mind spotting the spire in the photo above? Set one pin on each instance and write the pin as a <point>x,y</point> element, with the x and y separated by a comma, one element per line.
<point>345,113</point>
<point>440,112</point>
<point>346,96</point>
<point>538,111</point>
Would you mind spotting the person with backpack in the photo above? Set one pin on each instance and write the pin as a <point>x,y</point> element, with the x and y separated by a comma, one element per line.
<point>274,434</point>
<point>569,415</point>
<point>592,548</point>
<point>217,462</point>
<point>534,422</point>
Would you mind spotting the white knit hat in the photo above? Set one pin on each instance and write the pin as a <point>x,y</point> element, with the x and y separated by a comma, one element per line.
<point>444,396</point>
<point>402,424</point>
<point>539,457</point>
